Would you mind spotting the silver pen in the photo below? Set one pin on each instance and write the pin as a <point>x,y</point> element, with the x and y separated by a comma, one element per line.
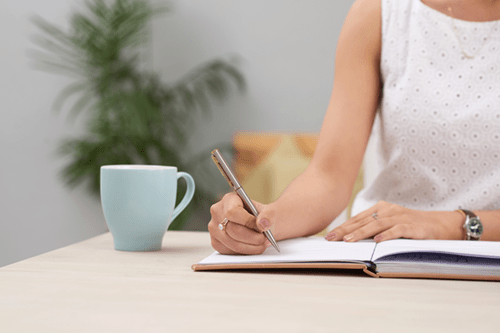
<point>235,184</point>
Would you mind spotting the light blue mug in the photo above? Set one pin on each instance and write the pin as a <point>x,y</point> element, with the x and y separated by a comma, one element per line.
<point>138,203</point>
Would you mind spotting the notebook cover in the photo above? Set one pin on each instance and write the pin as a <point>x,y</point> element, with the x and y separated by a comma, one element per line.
<point>299,265</point>
<point>330,265</point>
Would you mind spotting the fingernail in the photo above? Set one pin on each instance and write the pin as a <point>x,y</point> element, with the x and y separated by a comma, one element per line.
<point>264,224</point>
<point>349,237</point>
<point>378,238</point>
<point>331,236</point>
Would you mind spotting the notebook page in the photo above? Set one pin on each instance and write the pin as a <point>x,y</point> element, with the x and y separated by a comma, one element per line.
<point>473,248</point>
<point>311,249</point>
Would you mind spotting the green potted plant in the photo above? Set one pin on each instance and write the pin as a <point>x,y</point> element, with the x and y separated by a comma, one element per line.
<point>132,116</point>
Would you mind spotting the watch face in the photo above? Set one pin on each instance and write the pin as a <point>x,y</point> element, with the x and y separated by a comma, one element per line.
<point>475,227</point>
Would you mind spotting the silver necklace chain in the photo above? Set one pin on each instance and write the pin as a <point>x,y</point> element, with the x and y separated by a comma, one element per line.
<point>455,31</point>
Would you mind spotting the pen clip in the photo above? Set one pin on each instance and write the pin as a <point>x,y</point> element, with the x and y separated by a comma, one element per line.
<point>224,169</point>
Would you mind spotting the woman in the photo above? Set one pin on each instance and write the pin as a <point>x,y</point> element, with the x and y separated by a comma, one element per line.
<point>433,68</point>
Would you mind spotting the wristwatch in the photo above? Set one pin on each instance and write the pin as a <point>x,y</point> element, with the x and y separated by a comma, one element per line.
<point>473,226</point>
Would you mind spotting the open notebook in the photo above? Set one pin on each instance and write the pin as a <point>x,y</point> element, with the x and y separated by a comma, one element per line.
<point>395,258</point>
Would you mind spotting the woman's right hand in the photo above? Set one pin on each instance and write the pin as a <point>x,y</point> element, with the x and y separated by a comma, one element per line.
<point>241,234</point>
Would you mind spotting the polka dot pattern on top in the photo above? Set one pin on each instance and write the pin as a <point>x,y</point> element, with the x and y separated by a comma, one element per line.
<point>440,111</point>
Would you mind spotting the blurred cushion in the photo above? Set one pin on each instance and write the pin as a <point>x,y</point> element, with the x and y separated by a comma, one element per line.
<point>267,162</point>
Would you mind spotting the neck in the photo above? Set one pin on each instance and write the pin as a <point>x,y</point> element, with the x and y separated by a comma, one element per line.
<point>471,10</point>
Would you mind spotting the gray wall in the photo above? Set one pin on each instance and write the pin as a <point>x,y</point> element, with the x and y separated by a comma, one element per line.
<point>286,50</point>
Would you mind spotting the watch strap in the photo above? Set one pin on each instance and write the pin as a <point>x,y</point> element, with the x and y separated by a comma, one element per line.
<point>468,215</point>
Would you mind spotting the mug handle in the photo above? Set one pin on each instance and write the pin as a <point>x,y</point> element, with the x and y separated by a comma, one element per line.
<point>187,196</point>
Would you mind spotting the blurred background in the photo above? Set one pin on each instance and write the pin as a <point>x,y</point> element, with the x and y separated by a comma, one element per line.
<point>283,50</point>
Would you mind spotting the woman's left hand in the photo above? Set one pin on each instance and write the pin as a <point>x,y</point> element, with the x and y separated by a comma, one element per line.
<point>386,221</point>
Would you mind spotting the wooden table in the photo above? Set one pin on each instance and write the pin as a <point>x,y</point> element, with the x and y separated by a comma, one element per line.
<point>90,287</point>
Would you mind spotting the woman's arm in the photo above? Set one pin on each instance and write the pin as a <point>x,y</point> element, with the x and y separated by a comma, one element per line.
<point>318,195</point>
<point>393,221</point>
<point>321,193</point>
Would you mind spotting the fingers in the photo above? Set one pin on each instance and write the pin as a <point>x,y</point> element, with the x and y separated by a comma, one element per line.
<point>244,235</point>
<point>240,234</point>
<point>383,221</point>
<point>235,212</point>
<point>402,231</point>
<point>359,221</point>
<point>265,219</point>
<point>225,244</point>
<point>354,231</point>
<point>371,213</point>
<point>369,230</point>
<point>237,239</point>
<point>221,248</point>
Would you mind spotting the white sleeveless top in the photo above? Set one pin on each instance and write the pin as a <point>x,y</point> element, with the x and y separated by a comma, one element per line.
<point>440,112</point>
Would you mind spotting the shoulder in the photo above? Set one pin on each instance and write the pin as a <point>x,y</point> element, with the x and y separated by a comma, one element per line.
<point>366,10</point>
<point>363,26</point>
<point>376,10</point>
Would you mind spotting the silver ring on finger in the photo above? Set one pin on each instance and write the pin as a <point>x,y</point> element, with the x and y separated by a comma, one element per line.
<point>222,225</point>
<point>375,216</point>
